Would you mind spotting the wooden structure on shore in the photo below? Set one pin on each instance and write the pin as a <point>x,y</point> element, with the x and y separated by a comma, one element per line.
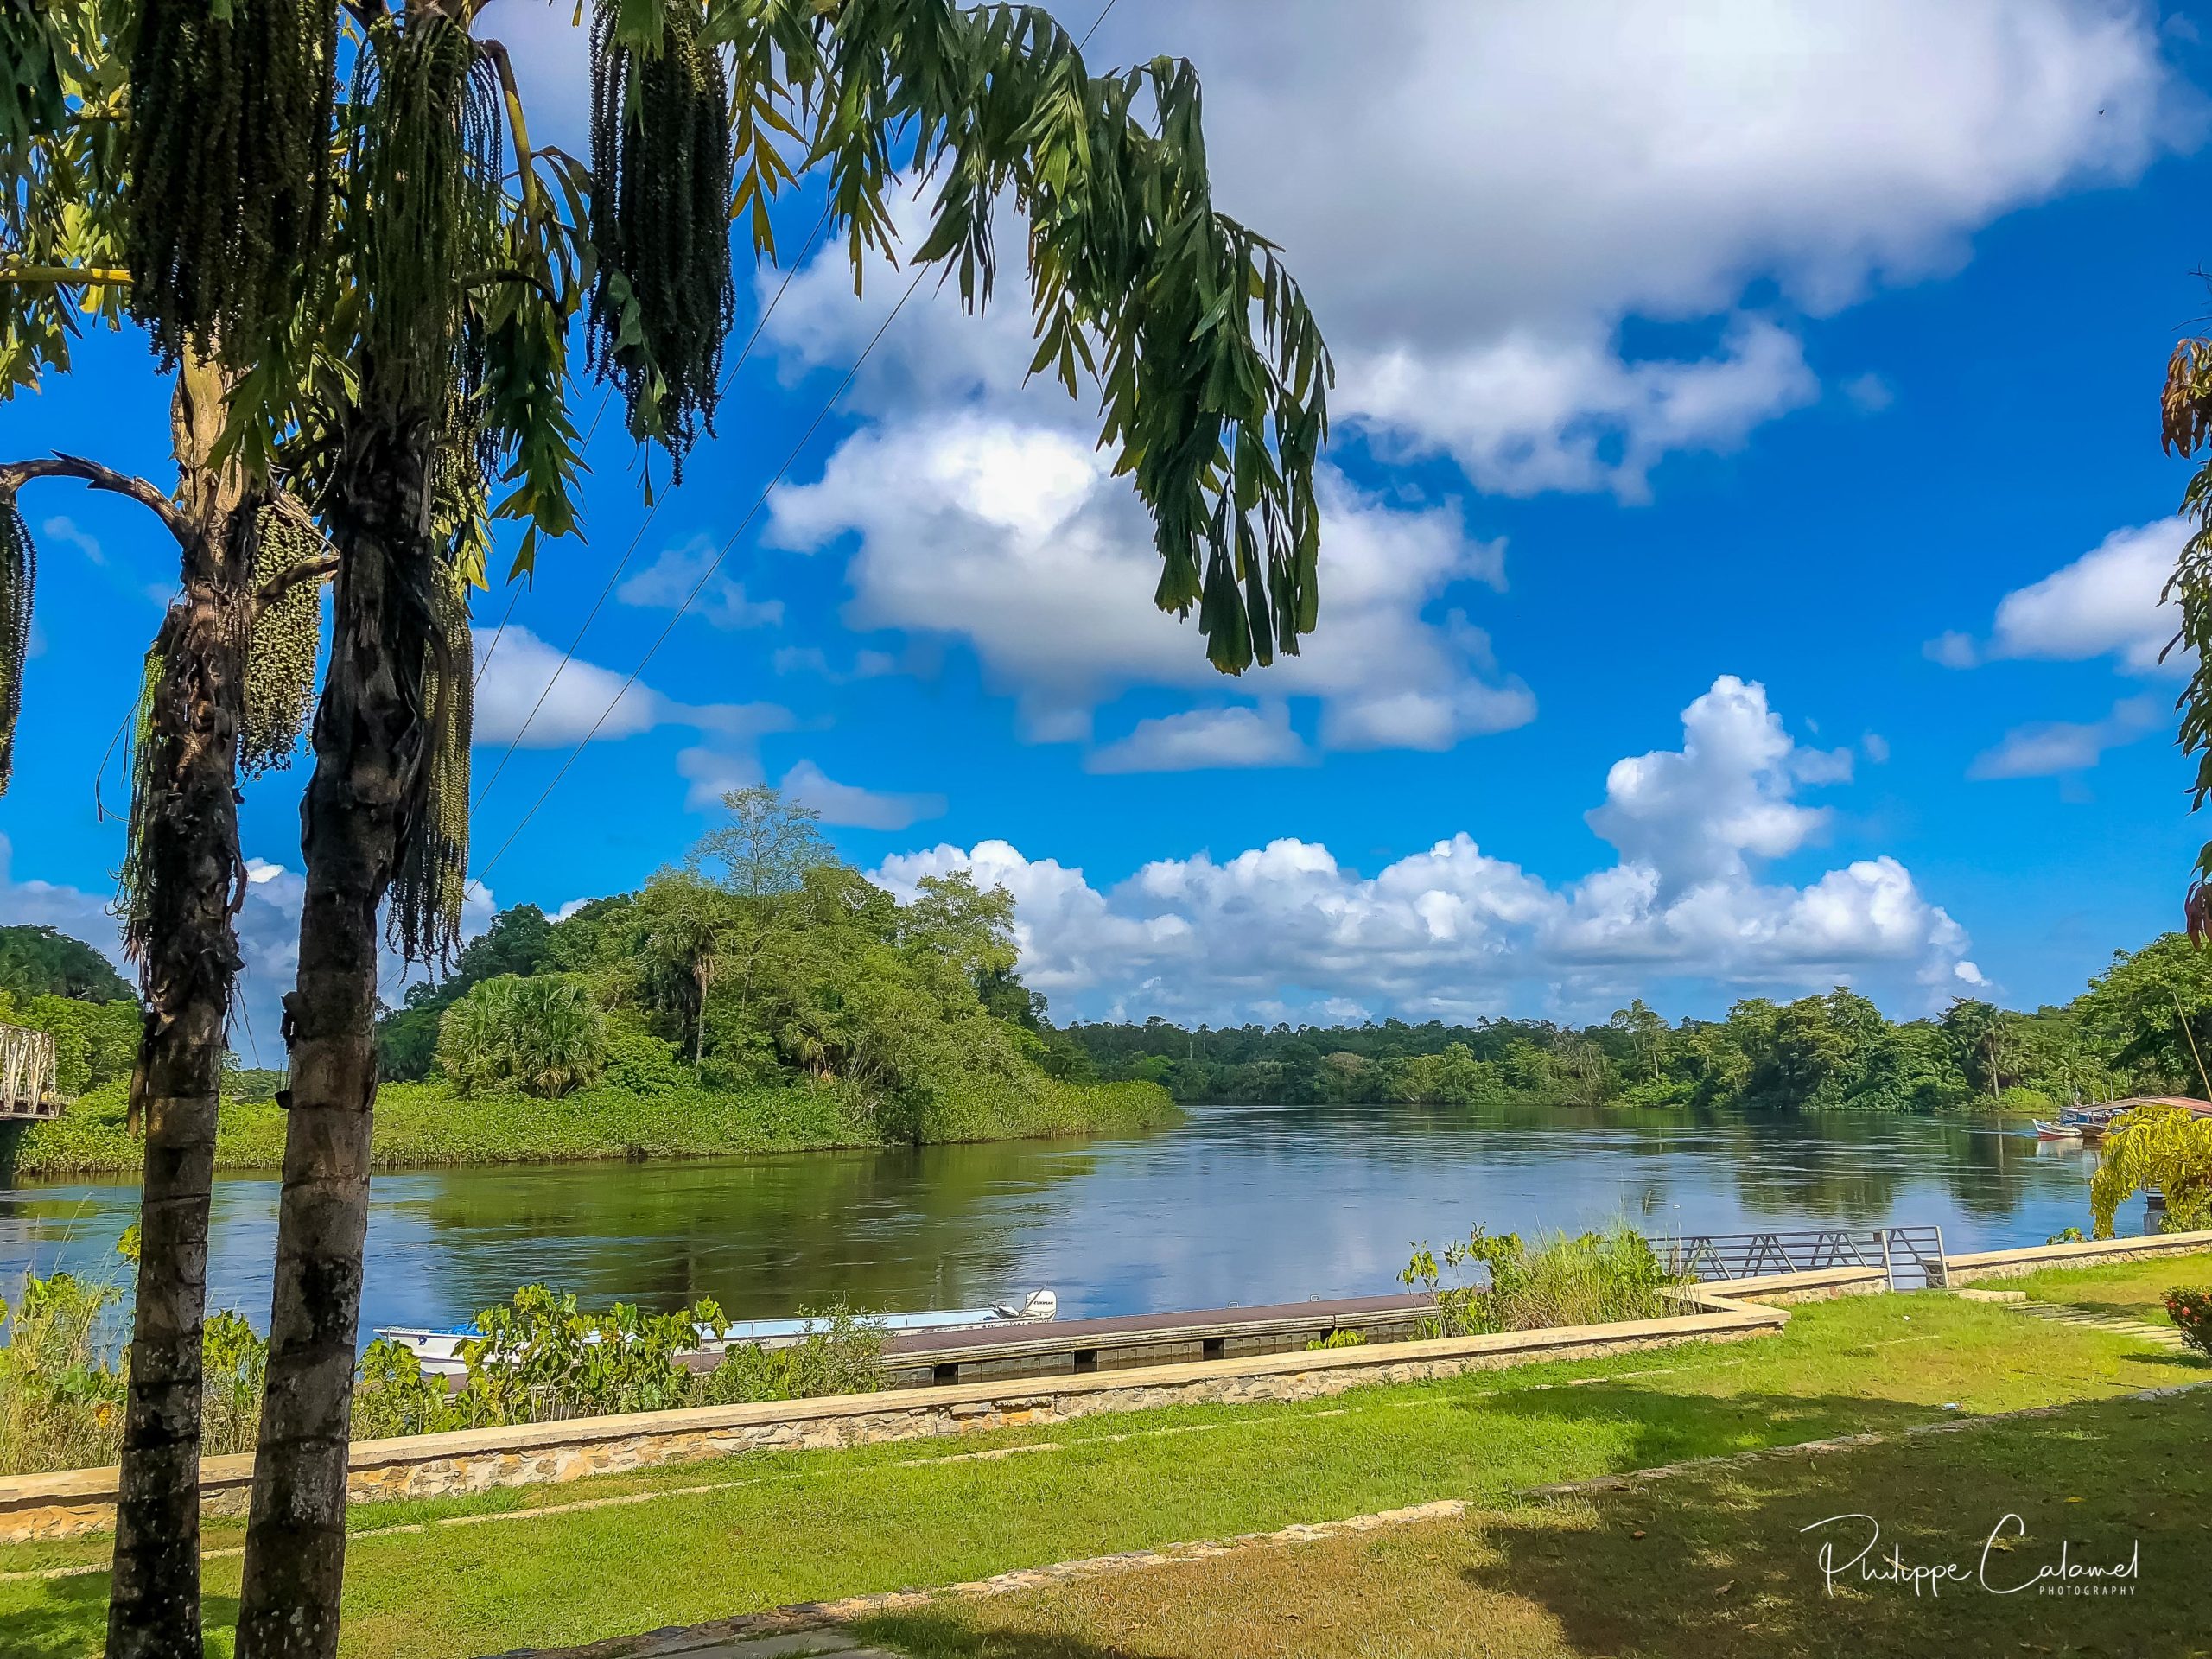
<point>27,1087</point>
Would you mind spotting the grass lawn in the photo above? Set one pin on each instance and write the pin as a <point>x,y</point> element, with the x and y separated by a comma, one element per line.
<point>1707,1566</point>
<point>524,1567</point>
<point>2132,1290</point>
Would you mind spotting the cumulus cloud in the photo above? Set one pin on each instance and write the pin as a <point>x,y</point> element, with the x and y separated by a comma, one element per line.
<point>1454,931</point>
<point>2108,602</point>
<point>1015,536</point>
<point>1474,236</point>
<point>2048,748</point>
<point>682,572</point>
<point>524,690</point>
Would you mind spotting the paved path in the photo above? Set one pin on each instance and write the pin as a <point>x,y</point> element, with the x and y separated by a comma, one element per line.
<point>2165,1336</point>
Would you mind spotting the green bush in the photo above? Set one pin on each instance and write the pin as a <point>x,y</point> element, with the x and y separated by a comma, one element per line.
<point>840,1356</point>
<point>2020,1098</point>
<point>62,1387</point>
<point>638,1061</point>
<point>2191,1313</point>
<point>543,1034</point>
<point>1588,1278</point>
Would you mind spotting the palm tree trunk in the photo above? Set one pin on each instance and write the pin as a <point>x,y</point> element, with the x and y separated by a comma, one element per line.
<point>368,733</point>
<point>189,874</point>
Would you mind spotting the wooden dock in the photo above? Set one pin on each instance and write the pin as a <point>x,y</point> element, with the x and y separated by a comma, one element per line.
<point>1079,1346</point>
<point>27,1087</point>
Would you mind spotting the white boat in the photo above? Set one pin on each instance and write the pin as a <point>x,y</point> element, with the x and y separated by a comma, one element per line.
<point>439,1351</point>
<point>2061,1131</point>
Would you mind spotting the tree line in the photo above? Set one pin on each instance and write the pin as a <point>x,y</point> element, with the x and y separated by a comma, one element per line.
<point>2142,1025</point>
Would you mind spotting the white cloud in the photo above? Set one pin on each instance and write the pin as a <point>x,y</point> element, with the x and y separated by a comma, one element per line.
<point>527,691</point>
<point>1493,199</point>
<point>1493,196</point>
<point>1490,205</point>
<point>673,578</point>
<point>1525,414</point>
<point>1203,739</point>
<point>2108,602</point>
<point>861,808</point>
<point>1015,536</point>
<point>2049,748</point>
<point>1953,650</point>
<point>712,771</point>
<point>1455,932</point>
<point>63,529</point>
<point>1701,813</point>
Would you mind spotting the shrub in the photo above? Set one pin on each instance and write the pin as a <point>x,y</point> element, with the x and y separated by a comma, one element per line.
<point>2191,1313</point>
<point>2020,1098</point>
<point>2160,1147</point>
<point>543,1034</point>
<point>638,1061</point>
<point>61,1401</point>
<point>2066,1236</point>
<point>838,1356</point>
<point>1588,1279</point>
<point>62,1385</point>
<point>1337,1339</point>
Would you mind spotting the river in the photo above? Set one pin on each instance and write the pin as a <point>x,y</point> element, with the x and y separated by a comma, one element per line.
<point>1236,1204</point>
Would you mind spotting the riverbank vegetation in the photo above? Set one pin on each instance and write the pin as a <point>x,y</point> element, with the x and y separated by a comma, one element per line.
<point>542,1358</point>
<point>2144,1026</point>
<point>549,1566</point>
<point>1563,1279</point>
<point>761,996</point>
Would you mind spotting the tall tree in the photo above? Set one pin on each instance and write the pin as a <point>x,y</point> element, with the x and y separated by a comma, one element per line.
<point>1211,369</point>
<point>96,191</point>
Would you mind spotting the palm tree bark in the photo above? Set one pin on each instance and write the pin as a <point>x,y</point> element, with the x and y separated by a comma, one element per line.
<point>190,877</point>
<point>368,735</point>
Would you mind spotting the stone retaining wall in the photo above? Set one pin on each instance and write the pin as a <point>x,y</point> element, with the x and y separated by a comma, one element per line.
<point>2011,1264</point>
<point>76,1502</point>
<point>79,1501</point>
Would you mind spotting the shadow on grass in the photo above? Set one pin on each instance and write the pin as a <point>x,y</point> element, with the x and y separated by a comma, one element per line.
<point>1718,1564</point>
<point>67,1618</point>
<point>1676,1427</point>
<point>941,1635</point>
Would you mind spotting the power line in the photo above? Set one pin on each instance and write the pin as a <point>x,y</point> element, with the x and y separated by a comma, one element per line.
<point>644,524</point>
<point>708,575</point>
<point>821,415</point>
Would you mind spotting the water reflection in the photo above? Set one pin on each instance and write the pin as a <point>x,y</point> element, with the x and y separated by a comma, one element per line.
<point>1240,1204</point>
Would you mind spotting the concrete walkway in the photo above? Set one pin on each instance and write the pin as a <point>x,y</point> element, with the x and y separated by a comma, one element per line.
<point>2066,1313</point>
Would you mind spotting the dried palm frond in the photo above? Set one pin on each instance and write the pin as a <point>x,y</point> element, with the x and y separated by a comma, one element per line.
<point>18,576</point>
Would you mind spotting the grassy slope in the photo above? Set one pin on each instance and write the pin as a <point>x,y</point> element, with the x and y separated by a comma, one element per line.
<point>421,1123</point>
<point>1706,1565</point>
<point>793,1526</point>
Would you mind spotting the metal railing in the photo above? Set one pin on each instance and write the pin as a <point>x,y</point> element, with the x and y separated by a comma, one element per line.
<point>1907,1251</point>
<point>27,1074</point>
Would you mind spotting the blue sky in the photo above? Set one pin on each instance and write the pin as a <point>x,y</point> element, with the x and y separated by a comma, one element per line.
<point>1744,529</point>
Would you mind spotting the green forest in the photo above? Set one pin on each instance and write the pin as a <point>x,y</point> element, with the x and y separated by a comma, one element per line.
<point>760,995</point>
<point>763,994</point>
<point>2138,1028</point>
